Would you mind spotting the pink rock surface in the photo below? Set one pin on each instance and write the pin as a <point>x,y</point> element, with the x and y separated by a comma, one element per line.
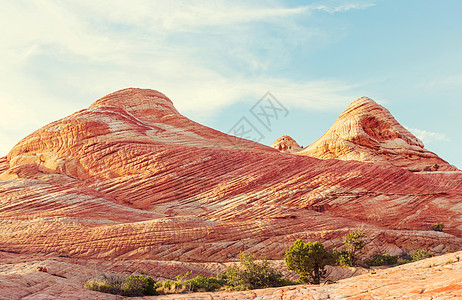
<point>131,178</point>
<point>366,131</point>
<point>435,278</point>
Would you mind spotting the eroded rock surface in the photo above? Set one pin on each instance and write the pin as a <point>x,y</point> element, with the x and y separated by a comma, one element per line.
<point>366,131</point>
<point>131,178</point>
<point>435,278</point>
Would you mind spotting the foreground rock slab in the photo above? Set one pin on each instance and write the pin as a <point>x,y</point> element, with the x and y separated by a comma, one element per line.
<point>435,278</point>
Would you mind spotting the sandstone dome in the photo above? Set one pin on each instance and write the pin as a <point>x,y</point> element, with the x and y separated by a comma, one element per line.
<point>286,144</point>
<point>367,131</point>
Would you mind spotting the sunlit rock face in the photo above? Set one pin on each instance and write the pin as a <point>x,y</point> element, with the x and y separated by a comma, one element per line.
<point>366,131</point>
<point>28,276</point>
<point>286,144</point>
<point>130,177</point>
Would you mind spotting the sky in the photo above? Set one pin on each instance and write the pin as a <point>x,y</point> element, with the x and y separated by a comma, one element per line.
<point>217,59</point>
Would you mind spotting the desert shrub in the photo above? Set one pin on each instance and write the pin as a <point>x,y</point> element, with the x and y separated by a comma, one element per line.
<point>167,285</point>
<point>308,260</point>
<point>251,274</point>
<point>438,226</point>
<point>403,260</point>
<point>419,254</point>
<point>106,283</point>
<point>436,167</point>
<point>204,283</point>
<point>135,285</point>
<point>343,258</point>
<point>382,260</point>
<point>138,285</point>
<point>355,241</point>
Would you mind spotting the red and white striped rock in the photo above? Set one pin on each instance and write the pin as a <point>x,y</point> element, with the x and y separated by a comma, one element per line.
<point>130,177</point>
<point>366,131</point>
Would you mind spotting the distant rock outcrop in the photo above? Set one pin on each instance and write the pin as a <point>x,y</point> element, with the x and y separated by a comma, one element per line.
<point>286,144</point>
<point>366,131</point>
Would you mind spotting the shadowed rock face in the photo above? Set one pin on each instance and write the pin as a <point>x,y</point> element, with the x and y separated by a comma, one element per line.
<point>130,177</point>
<point>366,131</point>
<point>286,144</point>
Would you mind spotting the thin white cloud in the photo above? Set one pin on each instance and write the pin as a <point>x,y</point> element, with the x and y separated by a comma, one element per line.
<point>343,7</point>
<point>59,56</point>
<point>428,136</point>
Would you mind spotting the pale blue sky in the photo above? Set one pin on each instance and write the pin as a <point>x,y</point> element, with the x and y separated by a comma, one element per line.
<point>215,59</point>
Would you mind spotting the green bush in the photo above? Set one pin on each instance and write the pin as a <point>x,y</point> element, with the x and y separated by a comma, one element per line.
<point>167,285</point>
<point>106,283</point>
<point>203,283</point>
<point>419,254</point>
<point>308,260</point>
<point>438,226</point>
<point>138,285</point>
<point>382,260</point>
<point>252,274</point>
<point>403,260</point>
<point>135,285</point>
<point>343,257</point>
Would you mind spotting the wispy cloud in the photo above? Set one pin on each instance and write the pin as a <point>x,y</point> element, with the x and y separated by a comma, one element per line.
<point>428,136</point>
<point>58,57</point>
<point>343,7</point>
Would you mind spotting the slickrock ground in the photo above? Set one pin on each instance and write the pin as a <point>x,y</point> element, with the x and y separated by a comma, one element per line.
<point>286,144</point>
<point>366,131</point>
<point>437,277</point>
<point>131,178</point>
<point>434,278</point>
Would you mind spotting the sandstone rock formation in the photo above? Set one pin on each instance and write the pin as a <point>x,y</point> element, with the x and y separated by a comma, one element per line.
<point>131,178</point>
<point>366,131</point>
<point>286,144</point>
<point>435,278</point>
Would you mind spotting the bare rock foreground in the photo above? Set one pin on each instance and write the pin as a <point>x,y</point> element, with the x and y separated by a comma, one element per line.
<point>131,178</point>
<point>434,278</point>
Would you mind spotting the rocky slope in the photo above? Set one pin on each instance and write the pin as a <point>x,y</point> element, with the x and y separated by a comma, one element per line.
<point>366,131</point>
<point>64,278</point>
<point>131,178</point>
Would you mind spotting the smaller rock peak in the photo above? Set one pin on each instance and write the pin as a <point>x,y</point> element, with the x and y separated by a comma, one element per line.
<point>286,144</point>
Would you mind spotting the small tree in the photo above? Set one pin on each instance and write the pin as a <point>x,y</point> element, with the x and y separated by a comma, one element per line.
<point>436,167</point>
<point>438,226</point>
<point>356,242</point>
<point>343,257</point>
<point>308,260</point>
